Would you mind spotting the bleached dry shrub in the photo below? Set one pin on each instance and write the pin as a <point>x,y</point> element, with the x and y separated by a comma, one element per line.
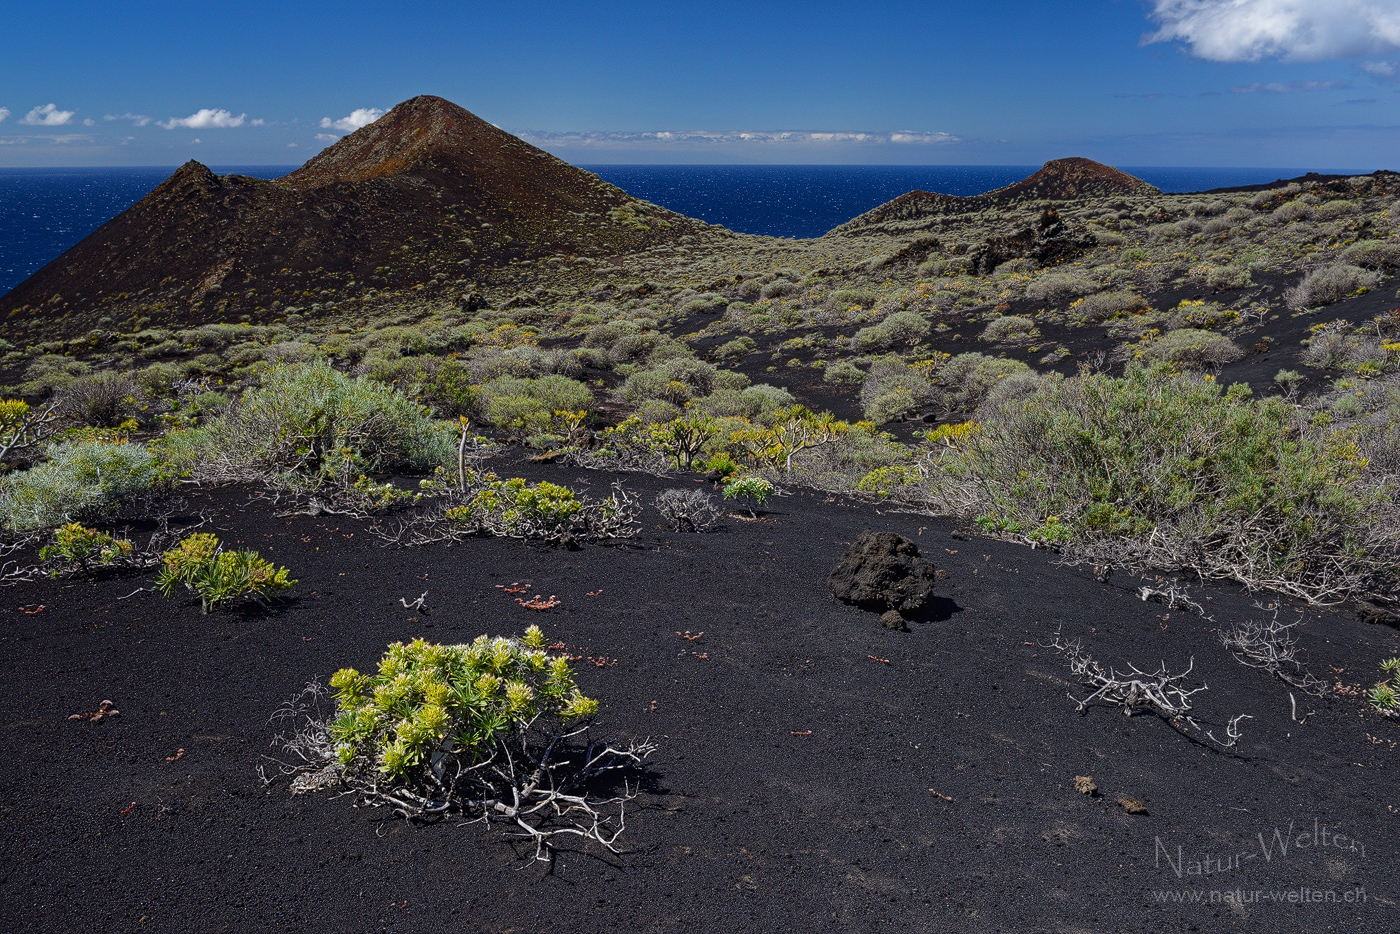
<point>1272,647</point>
<point>688,510</point>
<point>1057,287</point>
<point>1189,347</point>
<point>1329,284</point>
<point>102,400</point>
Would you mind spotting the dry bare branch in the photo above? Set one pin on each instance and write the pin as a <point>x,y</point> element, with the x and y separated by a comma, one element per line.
<point>1272,647</point>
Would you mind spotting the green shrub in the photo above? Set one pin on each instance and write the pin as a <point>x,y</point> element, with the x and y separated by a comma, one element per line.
<point>309,424</point>
<point>1203,316</point>
<point>80,480</point>
<point>1176,473</point>
<point>1104,305</point>
<point>1373,254</point>
<point>964,380</point>
<point>201,565</point>
<point>430,702</point>
<point>485,731</point>
<point>1059,287</point>
<point>844,372</point>
<point>1189,347</point>
<point>736,348</point>
<point>51,372</point>
<point>543,511</point>
<point>1010,328</point>
<point>892,388</point>
<point>870,339</point>
<point>77,545</point>
<point>529,404</point>
<point>905,327</point>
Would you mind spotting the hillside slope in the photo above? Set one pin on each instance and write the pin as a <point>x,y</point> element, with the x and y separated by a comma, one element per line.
<point>429,197</point>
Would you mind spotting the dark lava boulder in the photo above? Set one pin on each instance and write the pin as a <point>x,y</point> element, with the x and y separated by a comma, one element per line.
<point>882,571</point>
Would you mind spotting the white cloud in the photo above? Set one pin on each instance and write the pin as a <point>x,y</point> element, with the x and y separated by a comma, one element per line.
<point>48,115</point>
<point>1380,69</point>
<point>327,137</point>
<point>924,138</point>
<point>136,119</point>
<point>363,116</point>
<point>1293,30</point>
<point>4,112</point>
<point>291,145</point>
<point>259,122</point>
<point>88,121</point>
<point>1292,87</point>
<point>205,119</point>
<point>195,140</point>
<point>692,139</point>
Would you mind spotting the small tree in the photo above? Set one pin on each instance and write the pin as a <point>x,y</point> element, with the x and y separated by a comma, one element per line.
<point>684,438</point>
<point>22,427</point>
<point>755,490</point>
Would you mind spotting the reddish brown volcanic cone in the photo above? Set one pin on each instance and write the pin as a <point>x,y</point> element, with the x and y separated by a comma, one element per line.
<point>422,201</point>
<point>1058,180</point>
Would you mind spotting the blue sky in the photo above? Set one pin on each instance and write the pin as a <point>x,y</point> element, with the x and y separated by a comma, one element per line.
<point>1288,83</point>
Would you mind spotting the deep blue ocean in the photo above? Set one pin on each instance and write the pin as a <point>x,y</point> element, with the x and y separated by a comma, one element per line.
<point>45,211</point>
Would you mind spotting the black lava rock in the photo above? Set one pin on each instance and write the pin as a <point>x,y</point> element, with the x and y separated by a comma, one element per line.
<point>882,571</point>
<point>891,619</point>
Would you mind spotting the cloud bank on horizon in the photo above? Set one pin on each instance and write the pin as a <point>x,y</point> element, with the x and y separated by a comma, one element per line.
<point>700,139</point>
<point>1291,30</point>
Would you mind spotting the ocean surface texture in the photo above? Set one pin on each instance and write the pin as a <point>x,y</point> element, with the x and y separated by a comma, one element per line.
<point>45,211</point>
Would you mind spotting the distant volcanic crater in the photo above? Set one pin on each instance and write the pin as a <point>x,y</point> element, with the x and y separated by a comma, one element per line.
<point>425,199</point>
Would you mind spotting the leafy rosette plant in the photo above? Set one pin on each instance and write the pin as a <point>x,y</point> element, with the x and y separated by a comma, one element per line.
<point>201,565</point>
<point>478,730</point>
<point>1385,697</point>
<point>75,544</point>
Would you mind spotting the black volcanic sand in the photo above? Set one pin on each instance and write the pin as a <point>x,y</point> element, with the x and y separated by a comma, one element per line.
<point>743,824</point>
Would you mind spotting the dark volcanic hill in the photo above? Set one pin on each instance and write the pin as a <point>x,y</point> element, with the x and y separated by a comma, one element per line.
<point>427,199</point>
<point>1057,180</point>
